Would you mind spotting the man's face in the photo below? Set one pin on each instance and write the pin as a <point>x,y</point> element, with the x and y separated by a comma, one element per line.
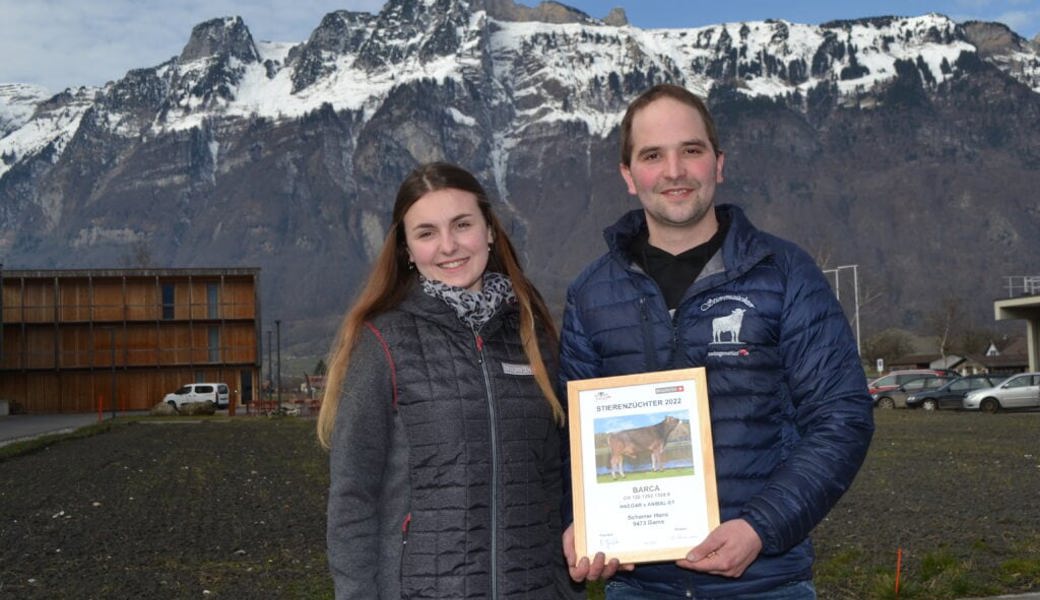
<point>673,171</point>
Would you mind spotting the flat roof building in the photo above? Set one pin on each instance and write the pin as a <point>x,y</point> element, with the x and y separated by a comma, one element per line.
<point>107,339</point>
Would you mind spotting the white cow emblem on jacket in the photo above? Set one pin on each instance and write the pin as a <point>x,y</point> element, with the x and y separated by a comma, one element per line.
<point>729,324</point>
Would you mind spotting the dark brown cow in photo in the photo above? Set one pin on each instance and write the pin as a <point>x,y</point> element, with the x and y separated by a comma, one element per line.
<point>638,440</point>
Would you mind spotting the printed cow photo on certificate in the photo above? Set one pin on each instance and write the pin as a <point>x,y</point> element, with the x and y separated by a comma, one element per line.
<point>643,446</point>
<point>642,464</point>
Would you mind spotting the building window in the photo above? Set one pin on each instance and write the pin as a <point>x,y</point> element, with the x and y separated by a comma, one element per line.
<point>214,344</point>
<point>167,300</point>
<point>212,300</point>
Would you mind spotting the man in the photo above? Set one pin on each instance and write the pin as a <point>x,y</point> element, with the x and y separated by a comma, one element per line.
<point>688,283</point>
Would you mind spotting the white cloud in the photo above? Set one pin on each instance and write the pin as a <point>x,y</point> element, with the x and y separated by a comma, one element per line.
<point>1021,21</point>
<point>63,43</point>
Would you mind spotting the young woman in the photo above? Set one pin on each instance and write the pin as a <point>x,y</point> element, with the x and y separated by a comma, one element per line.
<point>439,412</point>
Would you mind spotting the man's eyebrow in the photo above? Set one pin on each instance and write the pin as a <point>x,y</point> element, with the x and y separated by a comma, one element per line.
<point>692,142</point>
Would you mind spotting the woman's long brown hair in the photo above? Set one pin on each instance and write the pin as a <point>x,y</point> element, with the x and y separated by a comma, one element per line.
<point>389,279</point>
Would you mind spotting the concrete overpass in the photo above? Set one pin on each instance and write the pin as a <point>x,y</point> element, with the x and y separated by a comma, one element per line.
<point>1026,308</point>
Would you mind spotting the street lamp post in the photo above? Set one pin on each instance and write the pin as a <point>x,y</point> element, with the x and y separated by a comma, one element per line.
<point>112,358</point>
<point>270,368</point>
<point>278,336</point>
<point>1,314</point>
<point>855,289</point>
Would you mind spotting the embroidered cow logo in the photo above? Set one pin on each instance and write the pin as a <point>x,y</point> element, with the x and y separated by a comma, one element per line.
<point>729,324</point>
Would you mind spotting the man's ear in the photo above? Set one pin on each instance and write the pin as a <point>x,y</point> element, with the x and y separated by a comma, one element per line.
<point>626,174</point>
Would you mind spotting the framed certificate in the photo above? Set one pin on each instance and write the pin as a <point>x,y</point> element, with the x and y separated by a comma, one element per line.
<point>642,465</point>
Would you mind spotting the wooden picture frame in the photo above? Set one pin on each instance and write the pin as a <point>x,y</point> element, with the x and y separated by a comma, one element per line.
<point>641,492</point>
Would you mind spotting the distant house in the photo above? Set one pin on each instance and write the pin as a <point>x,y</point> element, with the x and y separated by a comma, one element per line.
<point>84,340</point>
<point>925,361</point>
<point>1012,359</point>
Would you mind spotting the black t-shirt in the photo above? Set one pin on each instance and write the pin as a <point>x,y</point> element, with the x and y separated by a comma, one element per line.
<point>675,273</point>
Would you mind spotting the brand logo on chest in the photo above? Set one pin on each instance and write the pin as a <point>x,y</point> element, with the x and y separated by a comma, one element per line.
<point>725,330</point>
<point>517,369</point>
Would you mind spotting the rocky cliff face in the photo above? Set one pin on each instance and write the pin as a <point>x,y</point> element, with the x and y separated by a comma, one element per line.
<point>902,145</point>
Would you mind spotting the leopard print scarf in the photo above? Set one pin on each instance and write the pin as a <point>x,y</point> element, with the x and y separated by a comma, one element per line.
<point>473,308</point>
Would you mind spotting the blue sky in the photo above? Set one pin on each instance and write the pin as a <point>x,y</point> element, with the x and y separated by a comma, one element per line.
<point>64,43</point>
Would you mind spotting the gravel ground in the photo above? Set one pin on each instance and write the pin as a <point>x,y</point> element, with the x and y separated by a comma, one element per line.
<point>205,509</point>
<point>958,494</point>
<point>234,508</point>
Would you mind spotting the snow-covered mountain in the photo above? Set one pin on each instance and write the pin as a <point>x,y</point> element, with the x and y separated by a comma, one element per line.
<point>286,155</point>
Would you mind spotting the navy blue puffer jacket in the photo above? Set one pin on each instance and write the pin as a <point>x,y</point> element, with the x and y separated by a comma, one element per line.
<point>791,416</point>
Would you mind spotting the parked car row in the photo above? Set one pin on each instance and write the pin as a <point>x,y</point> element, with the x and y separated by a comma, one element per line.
<point>933,390</point>
<point>897,397</point>
<point>898,378</point>
<point>1018,391</point>
<point>950,394</point>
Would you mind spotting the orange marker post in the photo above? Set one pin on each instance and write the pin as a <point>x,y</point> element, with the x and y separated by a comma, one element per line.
<point>899,567</point>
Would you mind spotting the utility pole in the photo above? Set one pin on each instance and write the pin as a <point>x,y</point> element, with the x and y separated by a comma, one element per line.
<point>112,347</point>
<point>1,314</point>
<point>278,336</point>
<point>270,368</point>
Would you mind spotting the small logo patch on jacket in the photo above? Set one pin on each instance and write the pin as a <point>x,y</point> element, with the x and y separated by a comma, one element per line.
<point>514,369</point>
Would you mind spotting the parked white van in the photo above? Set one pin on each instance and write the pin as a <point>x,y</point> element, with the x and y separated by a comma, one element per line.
<point>216,393</point>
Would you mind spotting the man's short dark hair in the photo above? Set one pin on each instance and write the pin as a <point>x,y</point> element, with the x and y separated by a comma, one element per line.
<point>665,90</point>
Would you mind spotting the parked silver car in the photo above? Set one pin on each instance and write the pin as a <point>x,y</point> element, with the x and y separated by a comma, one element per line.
<point>1018,391</point>
<point>896,398</point>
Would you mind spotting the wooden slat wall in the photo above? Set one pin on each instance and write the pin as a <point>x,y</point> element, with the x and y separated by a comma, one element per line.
<point>83,391</point>
<point>74,300</point>
<point>108,300</point>
<point>12,355</point>
<point>143,300</point>
<point>239,299</point>
<point>59,334</point>
<point>35,303</point>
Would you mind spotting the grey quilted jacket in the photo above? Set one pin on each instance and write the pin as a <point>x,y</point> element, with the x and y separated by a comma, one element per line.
<point>445,464</point>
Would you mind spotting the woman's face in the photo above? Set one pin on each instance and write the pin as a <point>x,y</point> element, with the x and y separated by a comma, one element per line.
<point>448,238</point>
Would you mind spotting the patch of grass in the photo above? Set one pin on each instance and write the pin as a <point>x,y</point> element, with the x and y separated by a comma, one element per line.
<point>645,475</point>
<point>935,564</point>
<point>40,442</point>
<point>1023,571</point>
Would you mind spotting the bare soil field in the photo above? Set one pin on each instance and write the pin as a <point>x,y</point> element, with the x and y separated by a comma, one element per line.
<point>221,508</point>
<point>235,508</point>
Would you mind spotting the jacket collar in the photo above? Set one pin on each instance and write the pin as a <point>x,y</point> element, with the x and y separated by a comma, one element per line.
<point>741,249</point>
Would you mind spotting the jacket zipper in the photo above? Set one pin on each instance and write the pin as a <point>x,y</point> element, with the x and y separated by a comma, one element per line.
<point>494,465</point>
<point>648,336</point>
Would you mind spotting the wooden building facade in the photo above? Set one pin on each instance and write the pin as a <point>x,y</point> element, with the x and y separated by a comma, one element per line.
<point>74,340</point>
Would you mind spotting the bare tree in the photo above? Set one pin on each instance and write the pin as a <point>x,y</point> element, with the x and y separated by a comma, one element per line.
<point>888,345</point>
<point>946,322</point>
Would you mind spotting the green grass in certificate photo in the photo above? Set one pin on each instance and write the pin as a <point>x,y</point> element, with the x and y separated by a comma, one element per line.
<point>646,475</point>
<point>642,447</point>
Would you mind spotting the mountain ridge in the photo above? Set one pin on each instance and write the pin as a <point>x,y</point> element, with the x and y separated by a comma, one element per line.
<point>280,155</point>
